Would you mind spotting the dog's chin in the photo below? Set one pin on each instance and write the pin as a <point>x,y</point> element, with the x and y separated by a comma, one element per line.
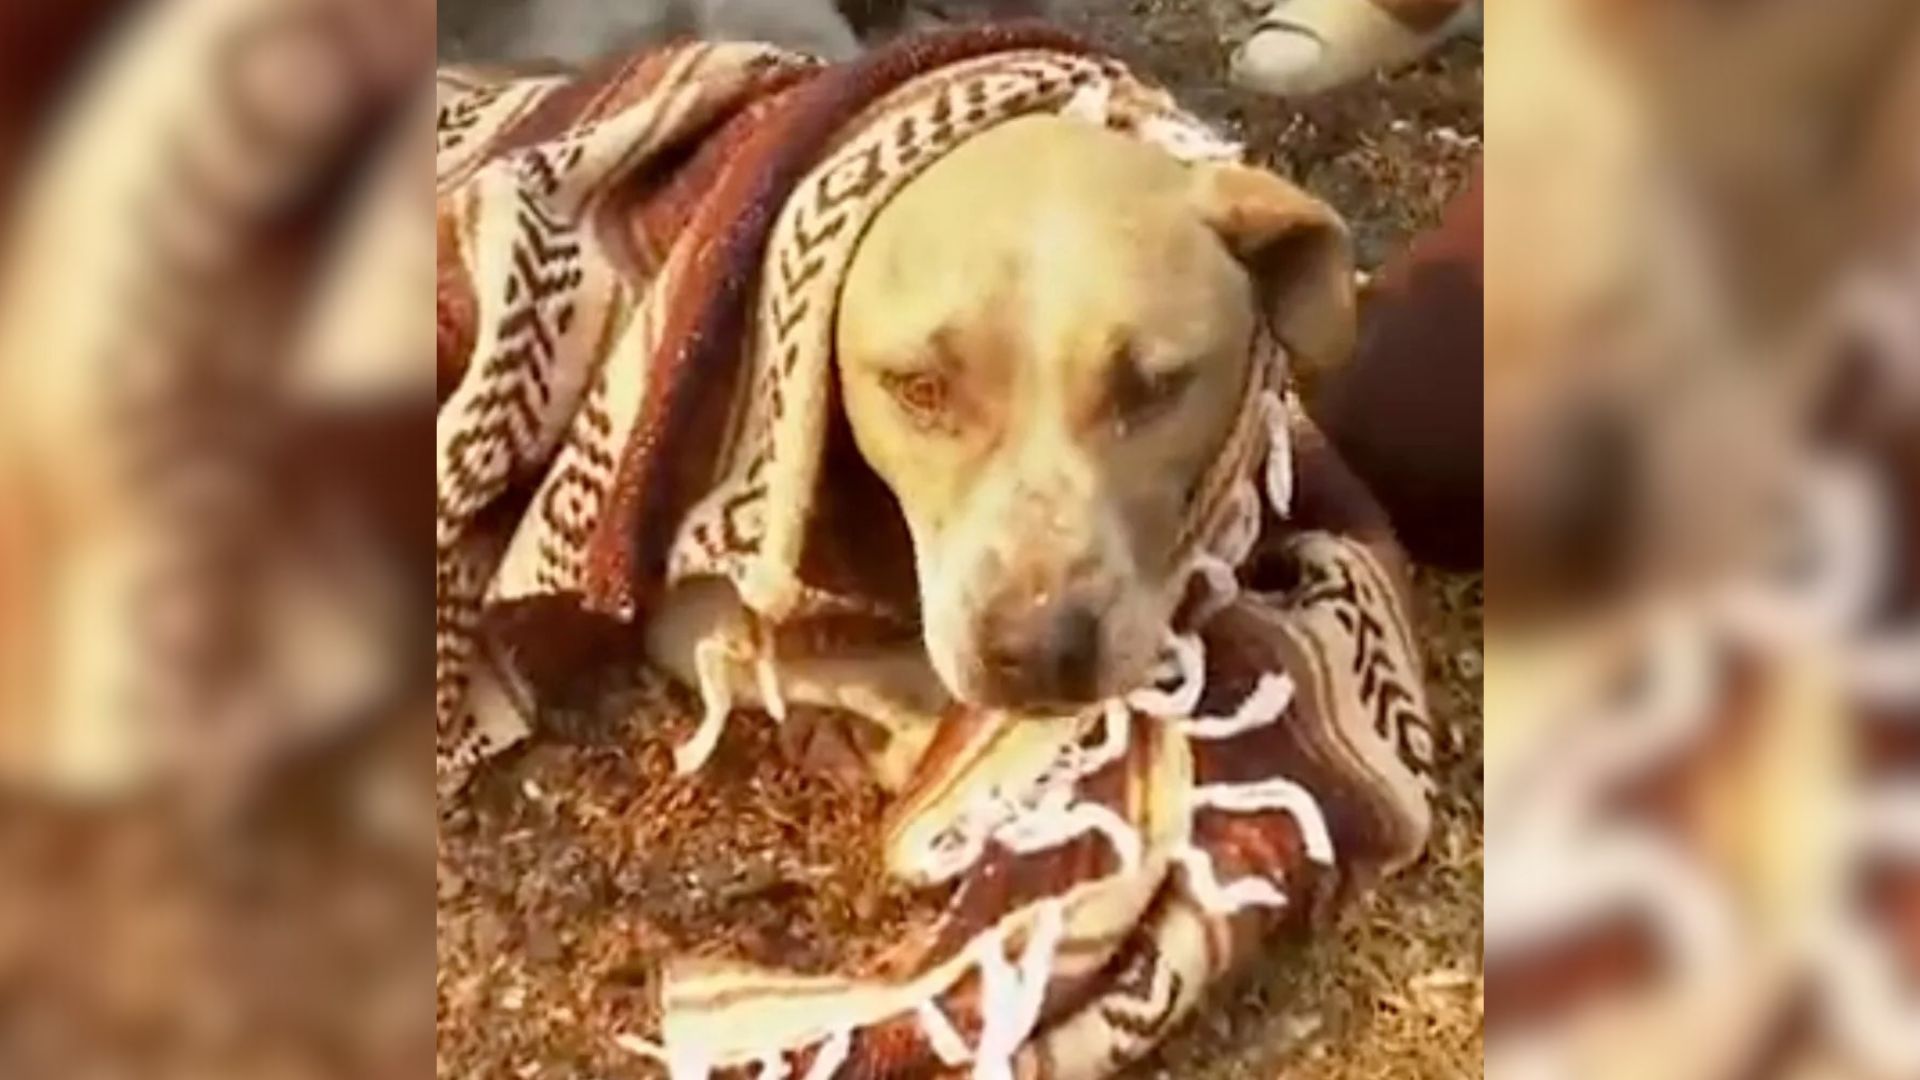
<point>985,694</point>
<point>971,681</point>
<point>980,690</point>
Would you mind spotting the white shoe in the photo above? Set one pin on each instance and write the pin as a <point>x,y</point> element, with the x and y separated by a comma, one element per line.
<point>1303,47</point>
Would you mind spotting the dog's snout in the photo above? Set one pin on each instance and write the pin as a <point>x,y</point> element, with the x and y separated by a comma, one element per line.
<point>1048,653</point>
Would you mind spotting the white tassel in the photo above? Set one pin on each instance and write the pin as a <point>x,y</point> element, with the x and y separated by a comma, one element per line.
<point>1279,472</point>
<point>999,991</point>
<point>1875,1009</point>
<point>1203,882</point>
<point>976,823</point>
<point>1188,656</point>
<point>1010,997</point>
<point>713,663</point>
<point>689,1064</point>
<point>833,1054</point>
<point>1273,794</point>
<point>768,674</point>
<point>1268,702</point>
<point>1059,822</point>
<point>640,1046</point>
<point>1036,968</point>
<point>946,1042</point>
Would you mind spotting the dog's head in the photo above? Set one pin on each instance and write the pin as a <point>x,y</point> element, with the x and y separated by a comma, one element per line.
<point>1043,343</point>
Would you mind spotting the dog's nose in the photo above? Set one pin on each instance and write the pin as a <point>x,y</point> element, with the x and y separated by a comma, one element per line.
<point>1566,528</point>
<point>1589,511</point>
<point>1073,650</point>
<point>1051,656</point>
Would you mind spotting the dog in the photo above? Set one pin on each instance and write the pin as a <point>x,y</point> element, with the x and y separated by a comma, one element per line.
<point>1042,400</point>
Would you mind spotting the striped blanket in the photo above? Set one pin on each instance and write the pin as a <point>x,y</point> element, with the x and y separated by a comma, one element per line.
<point>638,272</point>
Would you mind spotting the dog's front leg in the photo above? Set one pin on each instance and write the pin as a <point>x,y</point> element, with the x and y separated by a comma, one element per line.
<point>705,638</point>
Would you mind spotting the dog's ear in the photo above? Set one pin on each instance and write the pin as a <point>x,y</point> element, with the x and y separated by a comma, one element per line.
<point>1298,251</point>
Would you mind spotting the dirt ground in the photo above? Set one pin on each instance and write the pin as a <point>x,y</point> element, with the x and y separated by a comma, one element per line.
<point>578,864</point>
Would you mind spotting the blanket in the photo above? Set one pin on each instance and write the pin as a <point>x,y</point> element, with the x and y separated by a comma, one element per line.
<point>638,273</point>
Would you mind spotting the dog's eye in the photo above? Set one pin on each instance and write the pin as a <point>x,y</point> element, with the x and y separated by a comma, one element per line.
<point>922,394</point>
<point>1140,397</point>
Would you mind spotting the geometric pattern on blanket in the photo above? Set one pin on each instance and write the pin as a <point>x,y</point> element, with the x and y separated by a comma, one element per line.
<point>638,271</point>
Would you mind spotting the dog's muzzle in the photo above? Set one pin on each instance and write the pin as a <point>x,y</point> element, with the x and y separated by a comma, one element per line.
<point>1045,652</point>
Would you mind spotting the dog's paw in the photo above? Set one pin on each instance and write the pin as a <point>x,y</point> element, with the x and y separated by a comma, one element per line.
<point>833,743</point>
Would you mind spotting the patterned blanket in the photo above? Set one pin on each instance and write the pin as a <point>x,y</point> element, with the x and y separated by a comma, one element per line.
<point>638,272</point>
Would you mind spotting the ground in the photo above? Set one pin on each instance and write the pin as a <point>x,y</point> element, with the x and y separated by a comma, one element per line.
<point>580,863</point>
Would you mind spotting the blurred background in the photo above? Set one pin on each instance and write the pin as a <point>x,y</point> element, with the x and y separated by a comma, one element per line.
<point>1702,475</point>
<point>215,813</point>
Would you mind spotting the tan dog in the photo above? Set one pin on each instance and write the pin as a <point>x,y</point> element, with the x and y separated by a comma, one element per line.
<point>1042,343</point>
